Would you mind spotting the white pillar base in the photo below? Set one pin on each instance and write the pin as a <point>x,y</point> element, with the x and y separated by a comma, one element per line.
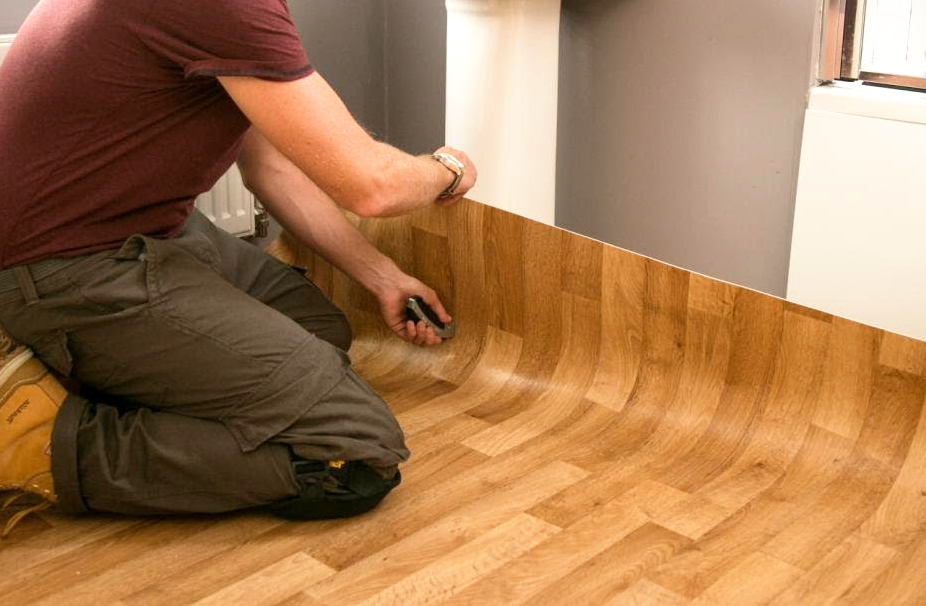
<point>502,87</point>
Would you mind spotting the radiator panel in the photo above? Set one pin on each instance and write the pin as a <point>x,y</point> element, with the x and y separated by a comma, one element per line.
<point>229,204</point>
<point>5,41</point>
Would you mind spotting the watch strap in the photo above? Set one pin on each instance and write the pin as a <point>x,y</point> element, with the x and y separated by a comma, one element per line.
<point>452,164</point>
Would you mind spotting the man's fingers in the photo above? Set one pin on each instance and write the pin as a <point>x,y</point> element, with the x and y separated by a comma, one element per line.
<point>430,337</point>
<point>410,332</point>
<point>434,302</point>
<point>421,333</point>
<point>450,201</point>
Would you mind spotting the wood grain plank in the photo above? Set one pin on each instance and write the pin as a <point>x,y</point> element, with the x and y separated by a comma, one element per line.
<point>554,561</point>
<point>571,378</point>
<point>623,277</point>
<point>270,585</point>
<point>451,574</point>
<point>898,520</point>
<point>646,593</point>
<point>839,572</point>
<point>243,559</point>
<point>404,557</point>
<point>821,462</point>
<point>847,377</point>
<point>139,556</point>
<point>903,582</point>
<point>615,569</point>
<point>755,580</point>
<point>496,365</point>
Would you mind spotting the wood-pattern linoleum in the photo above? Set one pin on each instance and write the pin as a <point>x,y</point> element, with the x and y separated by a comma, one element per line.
<point>605,429</point>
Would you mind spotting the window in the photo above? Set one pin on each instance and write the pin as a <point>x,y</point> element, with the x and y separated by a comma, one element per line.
<point>875,41</point>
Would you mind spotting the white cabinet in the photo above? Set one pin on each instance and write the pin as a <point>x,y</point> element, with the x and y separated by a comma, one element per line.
<point>859,241</point>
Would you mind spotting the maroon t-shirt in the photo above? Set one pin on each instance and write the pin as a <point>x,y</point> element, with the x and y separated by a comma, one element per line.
<point>112,120</point>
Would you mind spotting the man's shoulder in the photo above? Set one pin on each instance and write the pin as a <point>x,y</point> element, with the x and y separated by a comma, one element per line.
<point>203,15</point>
<point>235,6</point>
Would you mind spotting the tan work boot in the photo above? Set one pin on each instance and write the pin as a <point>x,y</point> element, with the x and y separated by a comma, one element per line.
<point>29,401</point>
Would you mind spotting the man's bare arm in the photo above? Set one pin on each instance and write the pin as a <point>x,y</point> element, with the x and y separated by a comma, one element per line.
<point>307,213</point>
<point>307,122</point>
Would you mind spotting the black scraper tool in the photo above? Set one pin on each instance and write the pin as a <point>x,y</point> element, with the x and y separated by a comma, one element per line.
<point>416,309</point>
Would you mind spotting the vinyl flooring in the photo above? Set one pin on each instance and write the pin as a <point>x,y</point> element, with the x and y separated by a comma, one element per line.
<point>604,429</point>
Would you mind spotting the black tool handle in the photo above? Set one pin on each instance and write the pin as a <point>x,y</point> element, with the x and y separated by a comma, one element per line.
<point>417,310</point>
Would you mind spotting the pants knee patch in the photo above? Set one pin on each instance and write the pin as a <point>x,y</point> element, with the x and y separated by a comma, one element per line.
<point>330,491</point>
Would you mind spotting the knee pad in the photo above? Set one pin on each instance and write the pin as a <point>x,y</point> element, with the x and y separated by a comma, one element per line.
<point>334,489</point>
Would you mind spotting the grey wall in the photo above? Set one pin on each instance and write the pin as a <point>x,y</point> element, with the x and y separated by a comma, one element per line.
<point>386,59</point>
<point>13,13</point>
<point>679,129</point>
<point>416,74</point>
<point>345,42</point>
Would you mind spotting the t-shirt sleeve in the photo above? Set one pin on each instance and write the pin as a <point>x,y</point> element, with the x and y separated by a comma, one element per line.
<point>208,38</point>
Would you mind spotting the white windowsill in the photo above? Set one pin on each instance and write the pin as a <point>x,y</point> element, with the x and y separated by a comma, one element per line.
<point>855,99</point>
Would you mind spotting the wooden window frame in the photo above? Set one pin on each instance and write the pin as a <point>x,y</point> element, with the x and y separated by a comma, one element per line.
<point>842,47</point>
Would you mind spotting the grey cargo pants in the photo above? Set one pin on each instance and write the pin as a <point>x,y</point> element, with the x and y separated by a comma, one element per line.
<point>210,364</point>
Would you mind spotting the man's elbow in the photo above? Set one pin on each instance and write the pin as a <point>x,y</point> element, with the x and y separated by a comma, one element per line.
<point>371,207</point>
<point>372,200</point>
<point>248,183</point>
<point>249,170</point>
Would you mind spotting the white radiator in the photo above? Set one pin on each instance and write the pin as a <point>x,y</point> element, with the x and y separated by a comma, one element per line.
<point>229,204</point>
<point>5,41</point>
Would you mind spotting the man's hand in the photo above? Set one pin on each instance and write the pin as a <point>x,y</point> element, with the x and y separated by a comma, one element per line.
<point>392,301</point>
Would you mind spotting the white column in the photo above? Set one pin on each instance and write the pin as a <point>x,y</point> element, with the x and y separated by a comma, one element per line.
<point>502,84</point>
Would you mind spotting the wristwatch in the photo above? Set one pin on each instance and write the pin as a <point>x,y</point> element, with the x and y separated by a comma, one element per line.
<point>454,166</point>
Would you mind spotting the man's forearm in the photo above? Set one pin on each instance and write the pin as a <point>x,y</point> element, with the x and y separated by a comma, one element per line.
<point>408,182</point>
<point>308,124</point>
<point>310,215</point>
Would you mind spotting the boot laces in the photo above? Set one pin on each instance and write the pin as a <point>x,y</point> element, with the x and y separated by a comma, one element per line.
<point>22,513</point>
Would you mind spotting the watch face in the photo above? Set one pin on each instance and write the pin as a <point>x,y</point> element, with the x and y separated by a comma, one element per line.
<point>449,161</point>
